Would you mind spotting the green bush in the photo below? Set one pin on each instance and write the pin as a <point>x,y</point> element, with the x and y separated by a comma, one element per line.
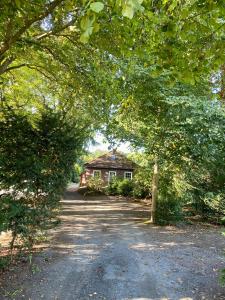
<point>168,211</point>
<point>215,202</point>
<point>125,187</point>
<point>112,188</point>
<point>25,220</point>
<point>142,182</point>
<point>119,186</point>
<point>4,262</point>
<point>209,204</point>
<point>95,184</point>
<point>139,191</point>
<point>37,155</point>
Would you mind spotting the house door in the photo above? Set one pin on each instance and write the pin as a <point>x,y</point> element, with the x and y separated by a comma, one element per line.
<point>112,174</point>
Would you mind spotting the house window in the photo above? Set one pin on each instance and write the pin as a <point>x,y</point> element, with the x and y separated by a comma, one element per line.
<point>97,173</point>
<point>112,174</point>
<point>128,175</point>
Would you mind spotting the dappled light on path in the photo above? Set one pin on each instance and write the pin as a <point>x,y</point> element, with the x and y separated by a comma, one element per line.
<point>104,250</point>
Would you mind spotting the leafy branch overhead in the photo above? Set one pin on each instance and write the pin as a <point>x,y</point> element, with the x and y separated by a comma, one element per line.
<point>186,38</point>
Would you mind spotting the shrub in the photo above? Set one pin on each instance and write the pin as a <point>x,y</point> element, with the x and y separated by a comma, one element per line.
<point>36,159</point>
<point>139,191</point>
<point>119,186</point>
<point>168,211</point>
<point>142,182</point>
<point>95,184</point>
<point>112,188</point>
<point>209,204</point>
<point>4,262</point>
<point>215,202</point>
<point>25,220</point>
<point>125,187</point>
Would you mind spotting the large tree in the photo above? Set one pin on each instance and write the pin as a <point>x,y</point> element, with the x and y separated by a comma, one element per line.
<point>180,128</point>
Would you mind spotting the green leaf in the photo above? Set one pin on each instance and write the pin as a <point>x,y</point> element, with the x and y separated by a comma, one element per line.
<point>87,27</point>
<point>128,11</point>
<point>84,38</point>
<point>85,23</point>
<point>96,27</point>
<point>130,7</point>
<point>97,6</point>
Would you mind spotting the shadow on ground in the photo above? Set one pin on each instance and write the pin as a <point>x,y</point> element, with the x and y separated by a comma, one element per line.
<point>103,250</point>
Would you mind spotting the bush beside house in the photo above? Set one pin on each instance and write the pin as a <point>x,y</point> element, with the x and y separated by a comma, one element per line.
<point>117,186</point>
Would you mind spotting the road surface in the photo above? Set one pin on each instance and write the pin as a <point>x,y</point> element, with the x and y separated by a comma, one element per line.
<point>103,250</point>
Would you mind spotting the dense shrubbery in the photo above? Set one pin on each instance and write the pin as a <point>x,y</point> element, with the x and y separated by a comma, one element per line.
<point>140,191</point>
<point>142,178</point>
<point>215,202</point>
<point>119,186</point>
<point>168,211</point>
<point>207,198</point>
<point>179,191</point>
<point>95,184</point>
<point>26,218</point>
<point>209,204</point>
<point>126,187</point>
<point>37,154</point>
<point>112,188</point>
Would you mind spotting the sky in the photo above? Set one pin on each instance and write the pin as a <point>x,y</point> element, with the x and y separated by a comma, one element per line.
<point>101,144</point>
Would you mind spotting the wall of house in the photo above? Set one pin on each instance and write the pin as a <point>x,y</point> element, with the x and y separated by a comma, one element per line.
<point>104,174</point>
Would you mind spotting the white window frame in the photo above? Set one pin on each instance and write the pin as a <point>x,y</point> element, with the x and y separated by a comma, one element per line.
<point>97,171</point>
<point>128,173</point>
<point>110,173</point>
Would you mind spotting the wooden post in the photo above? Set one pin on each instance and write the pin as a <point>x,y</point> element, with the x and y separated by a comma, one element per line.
<point>155,180</point>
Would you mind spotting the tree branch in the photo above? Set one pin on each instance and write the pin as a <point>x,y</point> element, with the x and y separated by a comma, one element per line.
<point>38,68</point>
<point>5,64</point>
<point>53,32</point>
<point>16,67</point>
<point>8,43</point>
<point>32,67</point>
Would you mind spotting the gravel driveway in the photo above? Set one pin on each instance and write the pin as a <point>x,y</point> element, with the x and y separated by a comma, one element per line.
<point>103,250</point>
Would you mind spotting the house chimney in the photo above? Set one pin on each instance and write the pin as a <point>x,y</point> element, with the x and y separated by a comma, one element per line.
<point>113,154</point>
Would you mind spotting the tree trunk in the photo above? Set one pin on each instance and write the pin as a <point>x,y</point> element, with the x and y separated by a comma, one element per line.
<point>12,245</point>
<point>222,84</point>
<point>155,180</point>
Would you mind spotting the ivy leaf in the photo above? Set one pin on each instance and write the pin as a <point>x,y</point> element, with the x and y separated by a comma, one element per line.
<point>97,6</point>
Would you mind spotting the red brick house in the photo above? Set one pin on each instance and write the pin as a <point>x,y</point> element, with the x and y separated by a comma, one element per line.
<point>107,166</point>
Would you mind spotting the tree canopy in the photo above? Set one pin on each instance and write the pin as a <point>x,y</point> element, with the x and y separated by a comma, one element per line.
<point>185,38</point>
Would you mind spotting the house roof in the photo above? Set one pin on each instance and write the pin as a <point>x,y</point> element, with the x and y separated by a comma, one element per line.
<point>112,160</point>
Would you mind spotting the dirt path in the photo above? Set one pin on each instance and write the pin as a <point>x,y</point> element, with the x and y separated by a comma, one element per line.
<point>103,250</point>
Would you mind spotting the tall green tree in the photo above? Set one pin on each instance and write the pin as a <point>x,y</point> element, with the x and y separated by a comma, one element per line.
<point>180,128</point>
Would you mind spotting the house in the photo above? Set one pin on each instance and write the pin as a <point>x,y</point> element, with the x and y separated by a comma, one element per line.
<point>108,166</point>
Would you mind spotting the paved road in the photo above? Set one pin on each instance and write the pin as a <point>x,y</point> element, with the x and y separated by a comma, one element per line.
<point>103,250</point>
